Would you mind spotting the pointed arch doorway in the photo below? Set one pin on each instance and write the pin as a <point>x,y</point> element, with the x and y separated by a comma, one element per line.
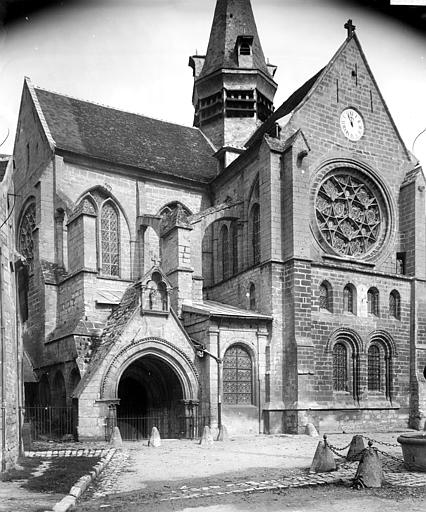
<point>150,395</point>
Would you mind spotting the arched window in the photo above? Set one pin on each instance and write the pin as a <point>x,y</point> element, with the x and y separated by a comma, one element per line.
<point>225,251</point>
<point>373,301</point>
<point>234,236</point>
<point>380,363</point>
<point>255,233</point>
<point>325,298</point>
<point>395,304</point>
<point>25,236</point>
<point>340,367</point>
<point>110,241</point>
<point>237,376</point>
<point>252,296</point>
<point>374,370</point>
<point>349,299</point>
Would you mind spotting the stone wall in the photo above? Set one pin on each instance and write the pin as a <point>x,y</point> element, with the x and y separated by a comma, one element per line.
<point>11,349</point>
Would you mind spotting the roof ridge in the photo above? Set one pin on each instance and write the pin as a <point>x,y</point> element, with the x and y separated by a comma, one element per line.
<point>113,108</point>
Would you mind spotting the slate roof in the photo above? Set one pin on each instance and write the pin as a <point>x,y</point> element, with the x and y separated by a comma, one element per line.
<point>232,18</point>
<point>290,104</point>
<point>218,309</point>
<point>124,138</point>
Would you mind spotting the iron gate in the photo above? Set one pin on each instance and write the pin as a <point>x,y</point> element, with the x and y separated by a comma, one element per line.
<point>171,425</point>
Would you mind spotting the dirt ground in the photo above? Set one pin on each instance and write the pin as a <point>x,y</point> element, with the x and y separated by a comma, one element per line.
<point>13,498</point>
<point>265,456</point>
<point>321,499</point>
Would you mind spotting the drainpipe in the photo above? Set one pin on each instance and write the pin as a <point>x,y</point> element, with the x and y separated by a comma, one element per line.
<point>2,342</point>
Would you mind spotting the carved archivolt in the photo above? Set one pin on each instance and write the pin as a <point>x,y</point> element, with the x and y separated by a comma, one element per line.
<point>168,352</point>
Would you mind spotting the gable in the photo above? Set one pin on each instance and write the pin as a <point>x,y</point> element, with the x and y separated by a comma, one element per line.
<point>347,82</point>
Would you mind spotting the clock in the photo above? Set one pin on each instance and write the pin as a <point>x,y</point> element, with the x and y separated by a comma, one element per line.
<point>352,124</point>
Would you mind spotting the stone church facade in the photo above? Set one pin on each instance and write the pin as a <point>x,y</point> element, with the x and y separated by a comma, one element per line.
<point>262,269</point>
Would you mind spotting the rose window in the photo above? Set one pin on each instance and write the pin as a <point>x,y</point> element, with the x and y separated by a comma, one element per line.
<point>348,215</point>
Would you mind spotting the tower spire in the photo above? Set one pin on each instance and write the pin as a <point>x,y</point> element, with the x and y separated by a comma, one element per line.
<point>233,82</point>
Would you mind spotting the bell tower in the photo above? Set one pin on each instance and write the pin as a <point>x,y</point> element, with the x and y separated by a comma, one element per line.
<point>234,86</point>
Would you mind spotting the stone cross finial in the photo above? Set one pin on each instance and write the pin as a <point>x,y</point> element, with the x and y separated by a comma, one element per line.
<point>350,27</point>
<point>156,260</point>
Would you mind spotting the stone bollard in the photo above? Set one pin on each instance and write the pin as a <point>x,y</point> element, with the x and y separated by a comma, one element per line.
<point>323,459</point>
<point>116,438</point>
<point>369,472</point>
<point>356,448</point>
<point>155,439</point>
<point>206,438</point>
<point>26,437</point>
<point>223,434</point>
<point>310,430</point>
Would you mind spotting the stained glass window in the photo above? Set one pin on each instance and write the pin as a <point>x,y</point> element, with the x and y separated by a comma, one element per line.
<point>340,367</point>
<point>348,215</point>
<point>325,297</point>
<point>26,239</point>
<point>255,216</point>
<point>225,251</point>
<point>348,299</point>
<point>373,301</point>
<point>237,376</point>
<point>395,304</point>
<point>374,368</point>
<point>110,240</point>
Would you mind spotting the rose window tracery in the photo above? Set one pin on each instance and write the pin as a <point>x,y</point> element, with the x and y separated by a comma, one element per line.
<point>26,239</point>
<point>348,215</point>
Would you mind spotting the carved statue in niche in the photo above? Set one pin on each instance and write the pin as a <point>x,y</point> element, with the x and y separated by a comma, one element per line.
<point>155,296</point>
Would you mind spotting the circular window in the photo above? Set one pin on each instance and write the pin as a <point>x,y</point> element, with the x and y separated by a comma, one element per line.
<point>349,214</point>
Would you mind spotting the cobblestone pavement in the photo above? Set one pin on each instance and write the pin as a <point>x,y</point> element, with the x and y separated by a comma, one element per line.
<point>393,470</point>
<point>70,452</point>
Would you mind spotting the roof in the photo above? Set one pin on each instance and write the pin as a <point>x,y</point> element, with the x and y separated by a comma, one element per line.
<point>232,18</point>
<point>4,160</point>
<point>217,309</point>
<point>290,104</point>
<point>124,138</point>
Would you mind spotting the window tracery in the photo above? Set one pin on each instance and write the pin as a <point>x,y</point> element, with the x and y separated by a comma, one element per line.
<point>110,240</point>
<point>348,215</point>
<point>237,376</point>
<point>26,237</point>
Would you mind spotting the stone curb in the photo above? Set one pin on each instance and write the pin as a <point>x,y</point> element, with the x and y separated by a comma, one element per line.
<point>81,485</point>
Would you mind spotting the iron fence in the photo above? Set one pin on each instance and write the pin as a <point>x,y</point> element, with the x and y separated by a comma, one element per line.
<point>134,427</point>
<point>51,423</point>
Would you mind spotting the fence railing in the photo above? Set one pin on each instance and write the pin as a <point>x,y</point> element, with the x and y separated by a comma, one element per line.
<point>49,423</point>
<point>134,427</point>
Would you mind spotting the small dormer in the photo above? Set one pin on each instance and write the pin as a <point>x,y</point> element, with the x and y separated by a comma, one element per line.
<point>155,293</point>
<point>244,49</point>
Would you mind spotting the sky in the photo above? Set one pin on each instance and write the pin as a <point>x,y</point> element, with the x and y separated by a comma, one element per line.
<point>133,55</point>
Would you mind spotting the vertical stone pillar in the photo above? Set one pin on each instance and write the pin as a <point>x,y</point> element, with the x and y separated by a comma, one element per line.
<point>262,340</point>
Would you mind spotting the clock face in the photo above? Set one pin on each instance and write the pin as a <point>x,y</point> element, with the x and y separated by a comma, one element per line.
<point>351,124</point>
